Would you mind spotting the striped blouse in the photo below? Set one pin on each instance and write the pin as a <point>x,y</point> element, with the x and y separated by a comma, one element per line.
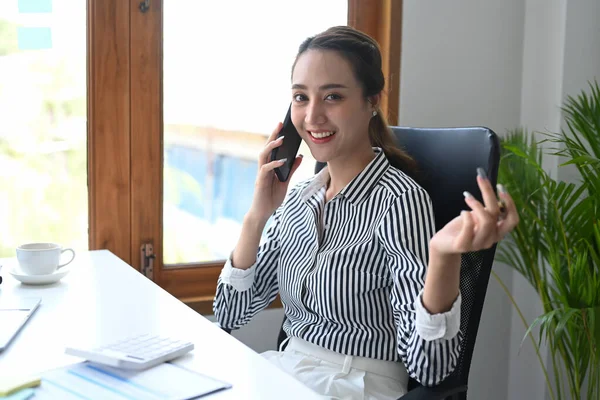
<point>350,272</point>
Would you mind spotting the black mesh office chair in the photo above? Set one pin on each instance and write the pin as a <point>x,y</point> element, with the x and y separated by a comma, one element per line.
<point>448,159</point>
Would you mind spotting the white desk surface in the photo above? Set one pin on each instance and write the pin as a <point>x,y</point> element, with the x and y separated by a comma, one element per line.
<point>103,299</point>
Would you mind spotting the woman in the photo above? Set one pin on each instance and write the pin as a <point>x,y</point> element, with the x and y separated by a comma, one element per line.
<point>370,291</point>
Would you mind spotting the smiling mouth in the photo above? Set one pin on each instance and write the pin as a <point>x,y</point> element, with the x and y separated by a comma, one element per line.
<point>321,135</point>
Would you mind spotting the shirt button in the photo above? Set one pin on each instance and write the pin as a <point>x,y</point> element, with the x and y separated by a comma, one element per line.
<point>326,226</point>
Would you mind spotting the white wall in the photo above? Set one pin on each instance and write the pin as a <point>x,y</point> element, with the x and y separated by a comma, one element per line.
<point>582,45</point>
<point>543,55</point>
<point>461,63</point>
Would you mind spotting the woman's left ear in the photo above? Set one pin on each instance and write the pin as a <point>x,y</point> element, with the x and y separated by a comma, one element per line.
<point>374,101</point>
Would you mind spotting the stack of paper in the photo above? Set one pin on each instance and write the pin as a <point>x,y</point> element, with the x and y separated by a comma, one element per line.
<point>90,381</point>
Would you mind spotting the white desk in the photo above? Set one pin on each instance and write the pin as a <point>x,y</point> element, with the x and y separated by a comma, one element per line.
<point>103,299</point>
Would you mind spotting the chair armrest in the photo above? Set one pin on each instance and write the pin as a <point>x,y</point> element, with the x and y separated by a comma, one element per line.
<point>440,392</point>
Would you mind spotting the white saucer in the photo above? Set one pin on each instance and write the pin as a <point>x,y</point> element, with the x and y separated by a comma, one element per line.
<point>56,276</point>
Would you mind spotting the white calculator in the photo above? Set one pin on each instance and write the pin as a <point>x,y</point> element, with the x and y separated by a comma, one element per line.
<point>137,352</point>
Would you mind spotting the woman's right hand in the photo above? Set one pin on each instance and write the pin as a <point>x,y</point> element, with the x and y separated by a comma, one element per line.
<point>269,192</point>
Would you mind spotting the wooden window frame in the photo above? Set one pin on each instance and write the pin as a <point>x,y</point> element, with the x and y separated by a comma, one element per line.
<point>382,20</point>
<point>125,131</point>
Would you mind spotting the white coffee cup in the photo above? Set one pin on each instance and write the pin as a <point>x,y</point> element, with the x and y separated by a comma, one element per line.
<point>41,258</point>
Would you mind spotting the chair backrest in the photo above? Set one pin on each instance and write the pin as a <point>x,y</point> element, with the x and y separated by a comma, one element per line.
<point>447,159</point>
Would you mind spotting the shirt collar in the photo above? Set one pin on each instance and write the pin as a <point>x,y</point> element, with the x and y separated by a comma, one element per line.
<point>359,187</point>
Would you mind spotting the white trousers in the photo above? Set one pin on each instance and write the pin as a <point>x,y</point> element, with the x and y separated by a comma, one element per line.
<point>337,376</point>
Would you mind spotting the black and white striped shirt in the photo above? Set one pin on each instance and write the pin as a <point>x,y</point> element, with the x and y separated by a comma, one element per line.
<point>350,272</point>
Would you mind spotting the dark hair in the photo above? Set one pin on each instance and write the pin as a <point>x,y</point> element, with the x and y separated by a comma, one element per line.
<point>364,56</point>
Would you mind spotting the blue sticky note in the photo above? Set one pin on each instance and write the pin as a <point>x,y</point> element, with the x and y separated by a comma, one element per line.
<point>35,6</point>
<point>34,38</point>
<point>23,394</point>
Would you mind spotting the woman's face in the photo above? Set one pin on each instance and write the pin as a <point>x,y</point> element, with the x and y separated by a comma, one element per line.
<point>329,109</point>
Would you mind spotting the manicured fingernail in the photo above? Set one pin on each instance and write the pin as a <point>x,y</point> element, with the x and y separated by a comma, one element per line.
<point>481,173</point>
<point>280,138</point>
<point>501,188</point>
<point>283,160</point>
<point>467,195</point>
<point>301,155</point>
<point>502,206</point>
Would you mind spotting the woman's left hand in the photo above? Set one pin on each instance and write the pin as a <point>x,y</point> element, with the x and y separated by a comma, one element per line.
<point>481,227</point>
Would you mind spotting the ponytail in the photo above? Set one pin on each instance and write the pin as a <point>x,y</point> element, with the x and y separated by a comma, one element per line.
<point>381,136</point>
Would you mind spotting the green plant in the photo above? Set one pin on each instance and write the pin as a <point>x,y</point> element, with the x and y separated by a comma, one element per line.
<point>556,245</point>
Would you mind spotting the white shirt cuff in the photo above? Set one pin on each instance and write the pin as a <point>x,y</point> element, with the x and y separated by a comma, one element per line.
<point>437,326</point>
<point>240,279</point>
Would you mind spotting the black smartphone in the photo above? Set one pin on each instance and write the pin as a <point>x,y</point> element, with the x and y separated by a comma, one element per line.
<point>288,149</point>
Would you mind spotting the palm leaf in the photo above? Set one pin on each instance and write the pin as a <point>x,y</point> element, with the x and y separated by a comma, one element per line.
<point>556,245</point>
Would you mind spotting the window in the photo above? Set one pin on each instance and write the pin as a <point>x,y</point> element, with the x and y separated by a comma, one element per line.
<point>221,99</point>
<point>175,127</point>
<point>43,141</point>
